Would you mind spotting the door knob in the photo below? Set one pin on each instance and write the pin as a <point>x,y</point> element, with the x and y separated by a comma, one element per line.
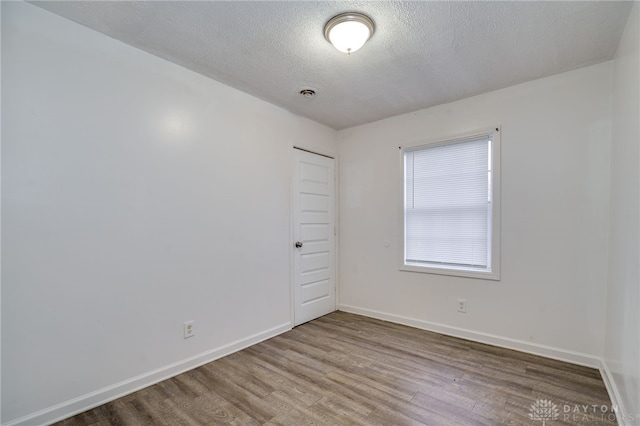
<point>298,244</point>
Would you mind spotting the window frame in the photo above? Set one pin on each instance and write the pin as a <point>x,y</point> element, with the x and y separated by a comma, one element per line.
<point>494,273</point>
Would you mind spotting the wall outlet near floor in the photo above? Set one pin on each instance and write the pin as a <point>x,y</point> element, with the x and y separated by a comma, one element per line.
<point>462,306</point>
<point>189,330</point>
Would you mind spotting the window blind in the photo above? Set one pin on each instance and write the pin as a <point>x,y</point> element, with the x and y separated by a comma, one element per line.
<point>447,204</point>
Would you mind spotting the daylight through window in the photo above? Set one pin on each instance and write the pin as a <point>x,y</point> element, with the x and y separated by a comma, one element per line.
<point>449,191</point>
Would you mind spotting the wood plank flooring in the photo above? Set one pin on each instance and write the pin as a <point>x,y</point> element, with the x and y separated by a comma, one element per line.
<point>345,369</point>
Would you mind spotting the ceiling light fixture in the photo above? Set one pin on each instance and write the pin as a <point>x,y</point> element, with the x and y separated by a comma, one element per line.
<point>348,32</point>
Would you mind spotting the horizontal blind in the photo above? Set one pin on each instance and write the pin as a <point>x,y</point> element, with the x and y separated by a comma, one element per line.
<point>448,204</point>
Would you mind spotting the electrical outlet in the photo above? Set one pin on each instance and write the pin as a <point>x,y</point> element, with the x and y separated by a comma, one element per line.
<point>462,306</point>
<point>189,330</point>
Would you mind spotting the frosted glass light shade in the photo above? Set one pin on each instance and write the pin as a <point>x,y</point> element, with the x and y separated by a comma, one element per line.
<point>348,32</point>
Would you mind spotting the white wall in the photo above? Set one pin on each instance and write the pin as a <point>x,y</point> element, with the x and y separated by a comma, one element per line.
<point>135,191</point>
<point>0,229</point>
<point>622,344</point>
<point>136,195</point>
<point>555,178</point>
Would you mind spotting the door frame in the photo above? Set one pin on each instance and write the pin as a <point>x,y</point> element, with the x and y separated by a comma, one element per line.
<point>292,283</point>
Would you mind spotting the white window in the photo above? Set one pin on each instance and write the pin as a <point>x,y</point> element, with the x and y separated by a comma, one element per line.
<point>451,205</point>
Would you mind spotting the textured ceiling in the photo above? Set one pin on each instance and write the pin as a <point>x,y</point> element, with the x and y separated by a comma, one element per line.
<point>422,53</point>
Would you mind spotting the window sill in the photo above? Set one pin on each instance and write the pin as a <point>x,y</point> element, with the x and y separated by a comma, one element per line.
<point>454,272</point>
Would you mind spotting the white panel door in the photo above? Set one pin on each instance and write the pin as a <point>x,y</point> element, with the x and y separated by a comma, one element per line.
<point>313,242</point>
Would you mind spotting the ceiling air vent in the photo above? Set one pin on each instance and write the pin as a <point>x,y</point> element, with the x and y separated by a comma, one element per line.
<point>308,93</point>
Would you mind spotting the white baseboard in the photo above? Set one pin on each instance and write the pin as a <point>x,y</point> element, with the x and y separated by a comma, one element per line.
<point>491,339</point>
<point>504,342</point>
<point>621,413</point>
<point>101,396</point>
<point>88,401</point>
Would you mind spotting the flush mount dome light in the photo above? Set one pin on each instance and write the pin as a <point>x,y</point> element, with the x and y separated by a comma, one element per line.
<point>348,32</point>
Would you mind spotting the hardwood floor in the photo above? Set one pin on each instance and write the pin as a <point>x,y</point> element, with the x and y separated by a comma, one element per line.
<point>345,369</point>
